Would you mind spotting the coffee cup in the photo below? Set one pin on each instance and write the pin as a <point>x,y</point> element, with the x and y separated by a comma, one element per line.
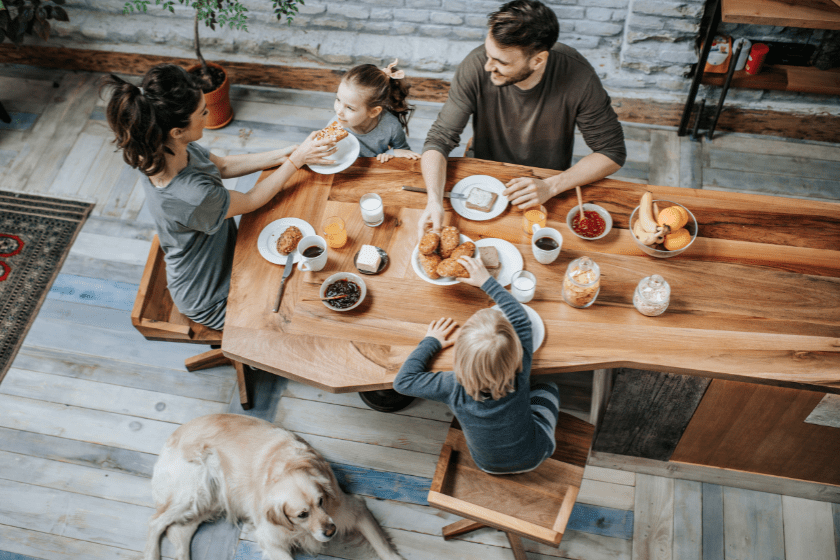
<point>546,244</point>
<point>313,253</point>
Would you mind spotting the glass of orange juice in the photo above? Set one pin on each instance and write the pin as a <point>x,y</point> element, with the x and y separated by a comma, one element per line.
<point>334,232</point>
<point>533,216</point>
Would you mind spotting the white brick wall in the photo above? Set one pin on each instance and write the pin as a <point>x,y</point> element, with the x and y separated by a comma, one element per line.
<point>639,47</point>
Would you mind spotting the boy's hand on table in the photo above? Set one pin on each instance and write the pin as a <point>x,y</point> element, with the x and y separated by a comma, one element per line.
<point>478,273</point>
<point>441,329</point>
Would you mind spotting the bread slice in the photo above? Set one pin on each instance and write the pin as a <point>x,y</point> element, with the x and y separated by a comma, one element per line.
<point>490,257</point>
<point>481,200</point>
<point>334,132</point>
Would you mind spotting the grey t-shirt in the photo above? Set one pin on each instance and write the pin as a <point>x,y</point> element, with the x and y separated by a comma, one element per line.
<point>196,239</point>
<point>534,127</point>
<point>388,133</point>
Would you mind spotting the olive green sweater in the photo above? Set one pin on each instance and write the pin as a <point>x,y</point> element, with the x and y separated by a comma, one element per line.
<point>534,127</point>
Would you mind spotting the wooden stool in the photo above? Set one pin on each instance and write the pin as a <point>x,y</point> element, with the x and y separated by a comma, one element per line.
<point>536,504</point>
<point>156,317</point>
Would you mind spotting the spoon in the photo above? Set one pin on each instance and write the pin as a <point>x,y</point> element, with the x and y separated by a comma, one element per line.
<point>580,202</point>
<point>324,299</point>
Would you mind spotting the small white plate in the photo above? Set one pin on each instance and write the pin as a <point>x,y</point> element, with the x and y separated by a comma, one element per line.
<point>486,182</point>
<point>348,151</point>
<point>418,268</point>
<point>537,326</point>
<point>510,259</point>
<point>267,241</point>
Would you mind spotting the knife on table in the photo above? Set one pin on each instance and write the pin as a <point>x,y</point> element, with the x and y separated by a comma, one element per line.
<point>445,194</point>
<point>286,271</point>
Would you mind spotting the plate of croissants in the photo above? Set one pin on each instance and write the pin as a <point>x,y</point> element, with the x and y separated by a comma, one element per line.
<point>435,258</point>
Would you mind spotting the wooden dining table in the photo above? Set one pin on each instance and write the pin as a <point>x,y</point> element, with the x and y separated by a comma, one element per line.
<point>756,297</point>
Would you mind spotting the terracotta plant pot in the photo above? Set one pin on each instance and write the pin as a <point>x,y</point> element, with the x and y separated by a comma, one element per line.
<point>218,101</point>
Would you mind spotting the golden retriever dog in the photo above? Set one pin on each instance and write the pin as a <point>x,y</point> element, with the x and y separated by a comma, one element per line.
<point>254,471</point>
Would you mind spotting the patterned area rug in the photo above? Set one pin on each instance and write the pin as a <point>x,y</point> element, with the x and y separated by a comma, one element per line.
<point>36,233</point>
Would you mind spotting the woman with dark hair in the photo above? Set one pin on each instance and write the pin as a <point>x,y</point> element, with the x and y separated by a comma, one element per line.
<point>157,126</point>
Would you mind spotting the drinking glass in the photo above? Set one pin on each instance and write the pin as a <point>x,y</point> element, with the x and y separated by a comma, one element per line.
<point>373,213</point>
<point>534,216</point>
<point>334,232</point>
<point>523,284</point>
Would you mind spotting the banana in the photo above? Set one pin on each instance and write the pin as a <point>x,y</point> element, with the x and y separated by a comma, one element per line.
<point>648,238</point>
<point>646,213</point>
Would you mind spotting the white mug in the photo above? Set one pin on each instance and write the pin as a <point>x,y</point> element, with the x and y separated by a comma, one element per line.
<point>312,263</point>
<point>544,256</point>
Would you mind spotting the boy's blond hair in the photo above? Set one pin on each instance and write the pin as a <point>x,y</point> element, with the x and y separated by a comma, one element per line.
<point>488,355</point>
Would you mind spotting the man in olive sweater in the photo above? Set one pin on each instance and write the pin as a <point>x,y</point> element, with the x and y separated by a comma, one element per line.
<point>525,93</point>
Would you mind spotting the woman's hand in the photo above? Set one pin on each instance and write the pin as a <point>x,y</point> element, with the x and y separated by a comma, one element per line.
<point>314,152</point>
<point>441,329</point>
<point>478,273</point>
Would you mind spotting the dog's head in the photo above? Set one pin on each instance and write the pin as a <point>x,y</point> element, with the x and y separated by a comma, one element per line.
<point>301,496</point>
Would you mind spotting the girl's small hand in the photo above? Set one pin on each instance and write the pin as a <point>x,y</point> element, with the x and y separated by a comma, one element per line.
<point>383,157</point>
<point>313,151</point>
<point>408,154</point>
<point>478,273</point>
<point>441,329</point>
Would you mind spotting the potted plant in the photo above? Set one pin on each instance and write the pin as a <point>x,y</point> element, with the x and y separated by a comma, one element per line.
<point>213,78</point>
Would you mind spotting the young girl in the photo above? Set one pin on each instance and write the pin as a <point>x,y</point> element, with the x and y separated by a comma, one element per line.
<point>156,126</point>
<point>371,104</point>
<point>508,425</point>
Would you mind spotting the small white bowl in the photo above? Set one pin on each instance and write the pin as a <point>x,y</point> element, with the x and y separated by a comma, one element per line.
<point>691,226</point>
<point>592,208</point>
<point>344,276</point>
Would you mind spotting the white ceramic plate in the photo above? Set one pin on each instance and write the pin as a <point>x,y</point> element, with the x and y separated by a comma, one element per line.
<point>348,151</point>
<point>418,268</point>
<point>267,241</point>
<point>510,259</point>
<point>486,182</point>
<point>537,326</point>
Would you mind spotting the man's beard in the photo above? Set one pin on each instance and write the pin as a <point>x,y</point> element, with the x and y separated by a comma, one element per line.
<point>521,77</point>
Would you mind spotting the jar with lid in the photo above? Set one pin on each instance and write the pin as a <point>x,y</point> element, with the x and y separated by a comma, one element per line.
<point>652,296</point>
<point>581,283</point>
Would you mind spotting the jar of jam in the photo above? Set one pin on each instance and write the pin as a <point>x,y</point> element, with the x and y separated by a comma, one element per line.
<point>582,282</point>
<point>652,296</point>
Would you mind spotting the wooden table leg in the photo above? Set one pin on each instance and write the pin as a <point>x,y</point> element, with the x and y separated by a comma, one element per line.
<point>460,527</point>
<point>601,389</point>
<point>516,546</point>
<point>246,385</point>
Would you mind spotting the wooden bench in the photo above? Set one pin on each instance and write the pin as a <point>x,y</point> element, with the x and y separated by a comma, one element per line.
<point>157,318</point>
<point>536,505</point>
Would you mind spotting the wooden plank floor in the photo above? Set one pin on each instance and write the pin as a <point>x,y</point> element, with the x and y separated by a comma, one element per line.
<point>88,402</point>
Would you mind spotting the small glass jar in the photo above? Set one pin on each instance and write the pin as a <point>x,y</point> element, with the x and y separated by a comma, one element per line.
<point>582,282</point>
<point>652,296</point>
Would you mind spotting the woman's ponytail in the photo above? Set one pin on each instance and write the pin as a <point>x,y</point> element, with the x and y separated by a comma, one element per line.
<point>142,117</point>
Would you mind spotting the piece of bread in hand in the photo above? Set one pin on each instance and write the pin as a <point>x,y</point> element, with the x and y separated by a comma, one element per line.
<point>490,257</point>
<point>451,267</point>
<point>450,237</point>
<point>333,132</point>
<point>466,249</point>
<point>429,243</point>
<point>481,200</point>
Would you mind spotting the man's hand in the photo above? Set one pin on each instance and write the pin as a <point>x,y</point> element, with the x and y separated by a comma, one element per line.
<point>478,273</point>
<point>525,192</point>
<point>441,329</point>
<point>430,219</point>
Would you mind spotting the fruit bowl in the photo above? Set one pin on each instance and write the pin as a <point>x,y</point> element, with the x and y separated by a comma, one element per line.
<point>663,253</point>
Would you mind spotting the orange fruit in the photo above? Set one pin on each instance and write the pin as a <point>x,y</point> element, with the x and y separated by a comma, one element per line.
<point>672,218</point>
<point>684,213</point>
<point>677,239</point>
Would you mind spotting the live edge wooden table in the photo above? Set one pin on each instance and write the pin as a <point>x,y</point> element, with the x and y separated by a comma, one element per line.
<point>748,350</point>
<point>755,298</point>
